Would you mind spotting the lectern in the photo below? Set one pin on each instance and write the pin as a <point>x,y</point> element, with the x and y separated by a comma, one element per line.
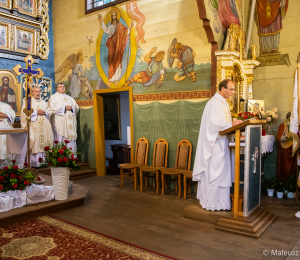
<point>253,219</point>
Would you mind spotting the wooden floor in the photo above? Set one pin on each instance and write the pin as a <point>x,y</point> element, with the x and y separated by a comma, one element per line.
<point>156,222</point>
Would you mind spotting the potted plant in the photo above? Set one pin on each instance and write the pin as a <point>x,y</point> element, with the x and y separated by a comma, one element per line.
<point>270,185</point>
<point>291,186</point>
<point>60,159</point>
<point>280,188</point>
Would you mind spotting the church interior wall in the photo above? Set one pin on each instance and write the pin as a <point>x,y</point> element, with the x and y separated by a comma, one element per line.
<point>178,101</point>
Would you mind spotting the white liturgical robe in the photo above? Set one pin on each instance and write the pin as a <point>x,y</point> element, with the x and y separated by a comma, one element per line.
<point>40,130</point>
<point>5,123</point>
<point>64,122</point>
<point>212,168</point>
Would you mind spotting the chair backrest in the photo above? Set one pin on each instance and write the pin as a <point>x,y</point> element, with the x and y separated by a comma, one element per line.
<point>183,155</point>
<point>141,151</point>
<point>160,154</point>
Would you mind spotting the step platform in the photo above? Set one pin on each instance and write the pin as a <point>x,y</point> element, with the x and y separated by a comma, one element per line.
<point>76,198</point>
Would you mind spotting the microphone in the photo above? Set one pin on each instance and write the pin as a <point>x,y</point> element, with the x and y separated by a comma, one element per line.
<point>244,100</point>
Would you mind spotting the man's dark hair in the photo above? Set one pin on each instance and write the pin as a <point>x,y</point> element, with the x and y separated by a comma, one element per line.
<point>5,78</point>
<point>288,115</point>
<point>223,83</point>
<point>59,83</point>
<point>111,18</point>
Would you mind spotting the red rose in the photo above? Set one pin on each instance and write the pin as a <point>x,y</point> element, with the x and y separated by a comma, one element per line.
<point>26,182</point>
<point>61,151</point>
<point>49,164</point>
<point>21,178</point>
<point>56,142</point>
<point>39,179</point>
<point>20,189</point>
<point>72,157</point>
<point>251,114</point>
<point>1,188</point>
<point>67,142</point>
<point>240,114</point>
<point>59,159</point>
<point>1,178</point>
<point>13,161</point>
<point>70,148</point>
<point>25,164</point>
<point>15,185</point>
<point>77,160</point>
<point>5,168</point>
<point>46,148</point>
<point>245,117</point>
<point>65,147</point>
<point>12,176</point>
<point>40,159</point>
<point>15,167</point>
<point>65,159</point>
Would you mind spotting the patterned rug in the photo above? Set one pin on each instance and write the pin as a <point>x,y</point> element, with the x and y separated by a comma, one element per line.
<point>48,238</point>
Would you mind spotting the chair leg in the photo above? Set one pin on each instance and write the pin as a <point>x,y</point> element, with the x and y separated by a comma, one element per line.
<point>122,177</point>
<point>146,179</point>
<point>141,180</point>
<point>176,184</point>
<point>190,184</point>
<point>153,179</point>
<point>163,184</point>
<point>179,185</point>
<point>157,181</point>
<point>135,177</point>
<point>184,184</point>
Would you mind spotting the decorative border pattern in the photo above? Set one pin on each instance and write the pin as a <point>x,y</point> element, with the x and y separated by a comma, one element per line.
<point>85,103</point>
<point>173,95</point>
<point>114,244</point>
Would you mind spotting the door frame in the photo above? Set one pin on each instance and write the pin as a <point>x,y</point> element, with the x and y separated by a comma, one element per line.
<point>99,126</point>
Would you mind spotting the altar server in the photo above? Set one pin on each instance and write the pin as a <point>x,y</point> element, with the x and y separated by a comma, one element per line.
<point>7,118</point>
<point>64,109</point>
<point>212,162</point>
<point>40,128</point>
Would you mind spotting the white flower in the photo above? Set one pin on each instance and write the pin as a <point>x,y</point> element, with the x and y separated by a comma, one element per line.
<point>268,119</point>
<point>263,113</point>
<point>276,116</point>
<point>274,109</point>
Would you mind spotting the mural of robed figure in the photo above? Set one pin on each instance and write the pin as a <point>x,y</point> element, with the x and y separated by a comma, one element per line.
<point>7,95</point>
<point>116,44</point>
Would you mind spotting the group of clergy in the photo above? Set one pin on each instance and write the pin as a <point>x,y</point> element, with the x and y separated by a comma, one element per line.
<point>52,120</point>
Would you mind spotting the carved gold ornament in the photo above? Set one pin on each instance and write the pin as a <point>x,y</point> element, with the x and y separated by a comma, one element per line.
<point>44,48</point>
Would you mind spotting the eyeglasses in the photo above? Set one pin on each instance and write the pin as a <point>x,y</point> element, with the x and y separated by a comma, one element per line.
<point>232,89</point>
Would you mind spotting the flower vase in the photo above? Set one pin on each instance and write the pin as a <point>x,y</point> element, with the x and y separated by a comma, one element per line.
<point>269,129</point>
<point>60,180</point>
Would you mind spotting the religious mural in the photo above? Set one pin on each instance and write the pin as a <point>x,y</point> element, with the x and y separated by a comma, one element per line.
<point>268,18</point>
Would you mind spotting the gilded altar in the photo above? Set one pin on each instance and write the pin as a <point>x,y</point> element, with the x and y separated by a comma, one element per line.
<point>231,64</point>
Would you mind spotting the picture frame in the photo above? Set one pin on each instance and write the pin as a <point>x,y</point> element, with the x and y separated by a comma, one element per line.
<point>6,4</point>
<point>13,97</point>
<point>25,40</point>
<point>112,116</point>
<point>254,105</point>
<point>4,36</point>
<point>28,7</point>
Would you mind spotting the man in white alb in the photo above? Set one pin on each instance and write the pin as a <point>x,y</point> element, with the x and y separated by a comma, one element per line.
<point>212,162</point>
<point>64,110</point>
<point>7,118</point>
<point>40,128</point>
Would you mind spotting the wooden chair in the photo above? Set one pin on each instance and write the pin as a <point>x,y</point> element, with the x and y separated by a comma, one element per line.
<point>160,160</point>
<point>187,181</point>
<point>183,162</point>
<point>141,157</point>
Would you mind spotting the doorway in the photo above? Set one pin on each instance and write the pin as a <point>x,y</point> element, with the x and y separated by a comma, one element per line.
<point>99,125</point>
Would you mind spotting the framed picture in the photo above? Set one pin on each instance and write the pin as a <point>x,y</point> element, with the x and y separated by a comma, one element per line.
<point>25,40</point>
<point>10,90</point>
<point>4,35</point>
<point>255,105</point>
<point>112,119</point>
<point>5,4</point>
<point>28,7</point>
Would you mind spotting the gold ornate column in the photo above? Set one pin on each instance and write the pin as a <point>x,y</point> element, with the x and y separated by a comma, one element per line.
<point>249,86</point>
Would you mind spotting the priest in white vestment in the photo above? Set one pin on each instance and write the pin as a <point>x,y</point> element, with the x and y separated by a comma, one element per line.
<point>64,110</point>
<point>7,118</point>
<point>40,128</point>
<point>212,168</point>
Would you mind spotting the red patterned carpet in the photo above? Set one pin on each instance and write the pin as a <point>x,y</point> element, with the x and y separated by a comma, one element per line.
<point>48,238</point>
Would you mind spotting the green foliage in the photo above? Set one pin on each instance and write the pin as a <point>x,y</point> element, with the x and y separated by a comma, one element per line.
<point>269,183</point>
<point>291,184</point>
<point>59,156</point>
<point>13,178</point>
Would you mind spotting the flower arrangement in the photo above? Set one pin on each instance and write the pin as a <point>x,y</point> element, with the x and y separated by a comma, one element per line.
<point>245,116</point>
<point>59,156</point>
<point>271,116</point>
<point>13,178</point>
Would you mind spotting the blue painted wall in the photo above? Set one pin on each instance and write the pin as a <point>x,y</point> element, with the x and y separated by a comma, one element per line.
<point>47,66</point>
